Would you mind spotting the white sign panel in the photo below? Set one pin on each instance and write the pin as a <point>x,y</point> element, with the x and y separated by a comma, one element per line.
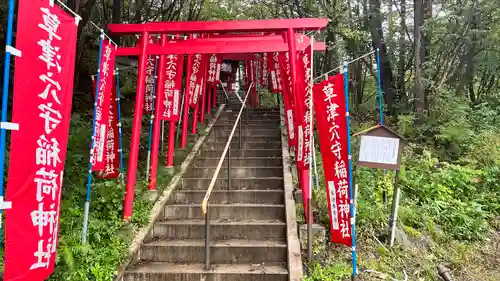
<point>379,150</point>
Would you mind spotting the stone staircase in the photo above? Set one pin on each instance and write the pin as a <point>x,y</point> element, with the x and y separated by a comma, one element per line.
<point>248,225</point>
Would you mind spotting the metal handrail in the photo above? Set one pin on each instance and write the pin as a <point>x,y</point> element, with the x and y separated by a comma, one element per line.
<point>227,96</point>
<point>204,204</point>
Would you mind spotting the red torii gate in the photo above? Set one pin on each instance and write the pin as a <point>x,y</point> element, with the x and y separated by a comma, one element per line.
<point>227,43</point>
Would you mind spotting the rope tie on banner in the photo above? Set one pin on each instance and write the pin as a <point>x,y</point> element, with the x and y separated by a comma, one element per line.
<point>78,18</point>
<point>342,66</point>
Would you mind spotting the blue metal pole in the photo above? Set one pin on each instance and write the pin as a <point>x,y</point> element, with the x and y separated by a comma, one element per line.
<point>118,98</point>
<point>348,124</point>
<point>5,98</point>
<point>379,86</point>
<point>381,112</point>
<point>152,117</point>
<point>89,176</point>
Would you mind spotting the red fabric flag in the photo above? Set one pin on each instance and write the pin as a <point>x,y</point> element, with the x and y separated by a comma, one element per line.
<point>150,81</point>
<point>112,146</point>
<point>214,68</point>
<point>150,85</point>
<point>103,101</point>
<point>285,82</point>
<point>170,106</point>
<point>43,90</point>
<point>264,69</point>
<point>275,73</point>
<point>197,78</point>
<point>304,105</point>
<point>330,104</point>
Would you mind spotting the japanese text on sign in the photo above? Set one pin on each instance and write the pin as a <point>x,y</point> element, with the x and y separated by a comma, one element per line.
<point>172,87</point>
<point>330,106</point>
<point>46,35</point>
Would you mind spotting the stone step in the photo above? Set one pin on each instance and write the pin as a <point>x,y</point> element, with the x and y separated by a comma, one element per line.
<point>251,118</point>
<point>257,152</point>
<point>224,211</point>
<point>240,161</point>
<point>249,138</point>
<point>275,183</point>
<point>159,271</point>
<point>245,145</point>
<point>226,251</point>
<point>257,132</point>
<point>228,197</point>
<point>220,229</point>
<point>250,124</point>
<point>236,172</point>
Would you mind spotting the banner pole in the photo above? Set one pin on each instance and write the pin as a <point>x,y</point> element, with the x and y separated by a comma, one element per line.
<point>181,120</point>
<point>381,115</point>
<point>185,116</point>
<point>379,87</point>
<point>151,118</point>
<point>118,99</point>
<point>89,175</point>
<point>162,148</point>
<point>5,98</point>
<point>351,205</point>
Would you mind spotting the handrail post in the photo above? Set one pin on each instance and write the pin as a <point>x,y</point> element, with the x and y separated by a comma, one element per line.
<point>229,167</point>
<point>207,240</point>
<point>241,132</point>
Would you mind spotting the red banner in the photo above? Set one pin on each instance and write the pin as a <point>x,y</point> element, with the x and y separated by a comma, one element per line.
<point>105,84</point>
<point>150,84</point>
<point>274,70</point>
<point>329,101</point>
<point>112,153</point>
<point>265,69</point>
<point>170,106</point>
<point>196,80</point>
<point>214,67</point>
<point>43,89</point>
<point>285,82</point>
<point>304,97</point>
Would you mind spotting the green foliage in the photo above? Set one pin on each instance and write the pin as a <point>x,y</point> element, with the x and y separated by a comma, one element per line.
<point>333,272</point>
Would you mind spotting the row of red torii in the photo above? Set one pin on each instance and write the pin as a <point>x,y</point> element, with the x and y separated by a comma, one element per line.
<point>230,38</point>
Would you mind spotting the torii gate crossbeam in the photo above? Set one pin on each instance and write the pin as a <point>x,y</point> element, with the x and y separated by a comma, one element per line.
<point>285,27</point>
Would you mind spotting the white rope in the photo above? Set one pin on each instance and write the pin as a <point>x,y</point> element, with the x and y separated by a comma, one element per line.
<point>341,66</point>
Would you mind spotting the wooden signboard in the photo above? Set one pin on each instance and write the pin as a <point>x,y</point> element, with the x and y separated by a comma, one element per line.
<point>380,148</point>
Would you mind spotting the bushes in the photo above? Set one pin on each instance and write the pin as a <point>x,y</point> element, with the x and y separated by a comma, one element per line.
<point>450,182</point>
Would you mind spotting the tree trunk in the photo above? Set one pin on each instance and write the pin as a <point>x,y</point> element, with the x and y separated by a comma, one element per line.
<point>116,17</point>
<point>402,53</point>
<point>385,63</point>
<point>138,10</point>
<point>419,90</point>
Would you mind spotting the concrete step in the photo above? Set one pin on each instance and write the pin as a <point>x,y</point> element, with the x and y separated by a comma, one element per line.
<point>254,117</point>
<point>240,161</point>
<point>245,145</point>
<point>257,132</point>
<point>220,229</point>
<point>257,152</point>
<point>251,123</point>
<point>226,251</point>
<point>236,172</point>
<point>224,211</point>
<point>274,183</point>
<point>228,197</point>
<point>159,271</point>
<point>249,138</point>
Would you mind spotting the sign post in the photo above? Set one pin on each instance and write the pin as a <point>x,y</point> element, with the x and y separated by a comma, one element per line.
<point>381,149</point>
